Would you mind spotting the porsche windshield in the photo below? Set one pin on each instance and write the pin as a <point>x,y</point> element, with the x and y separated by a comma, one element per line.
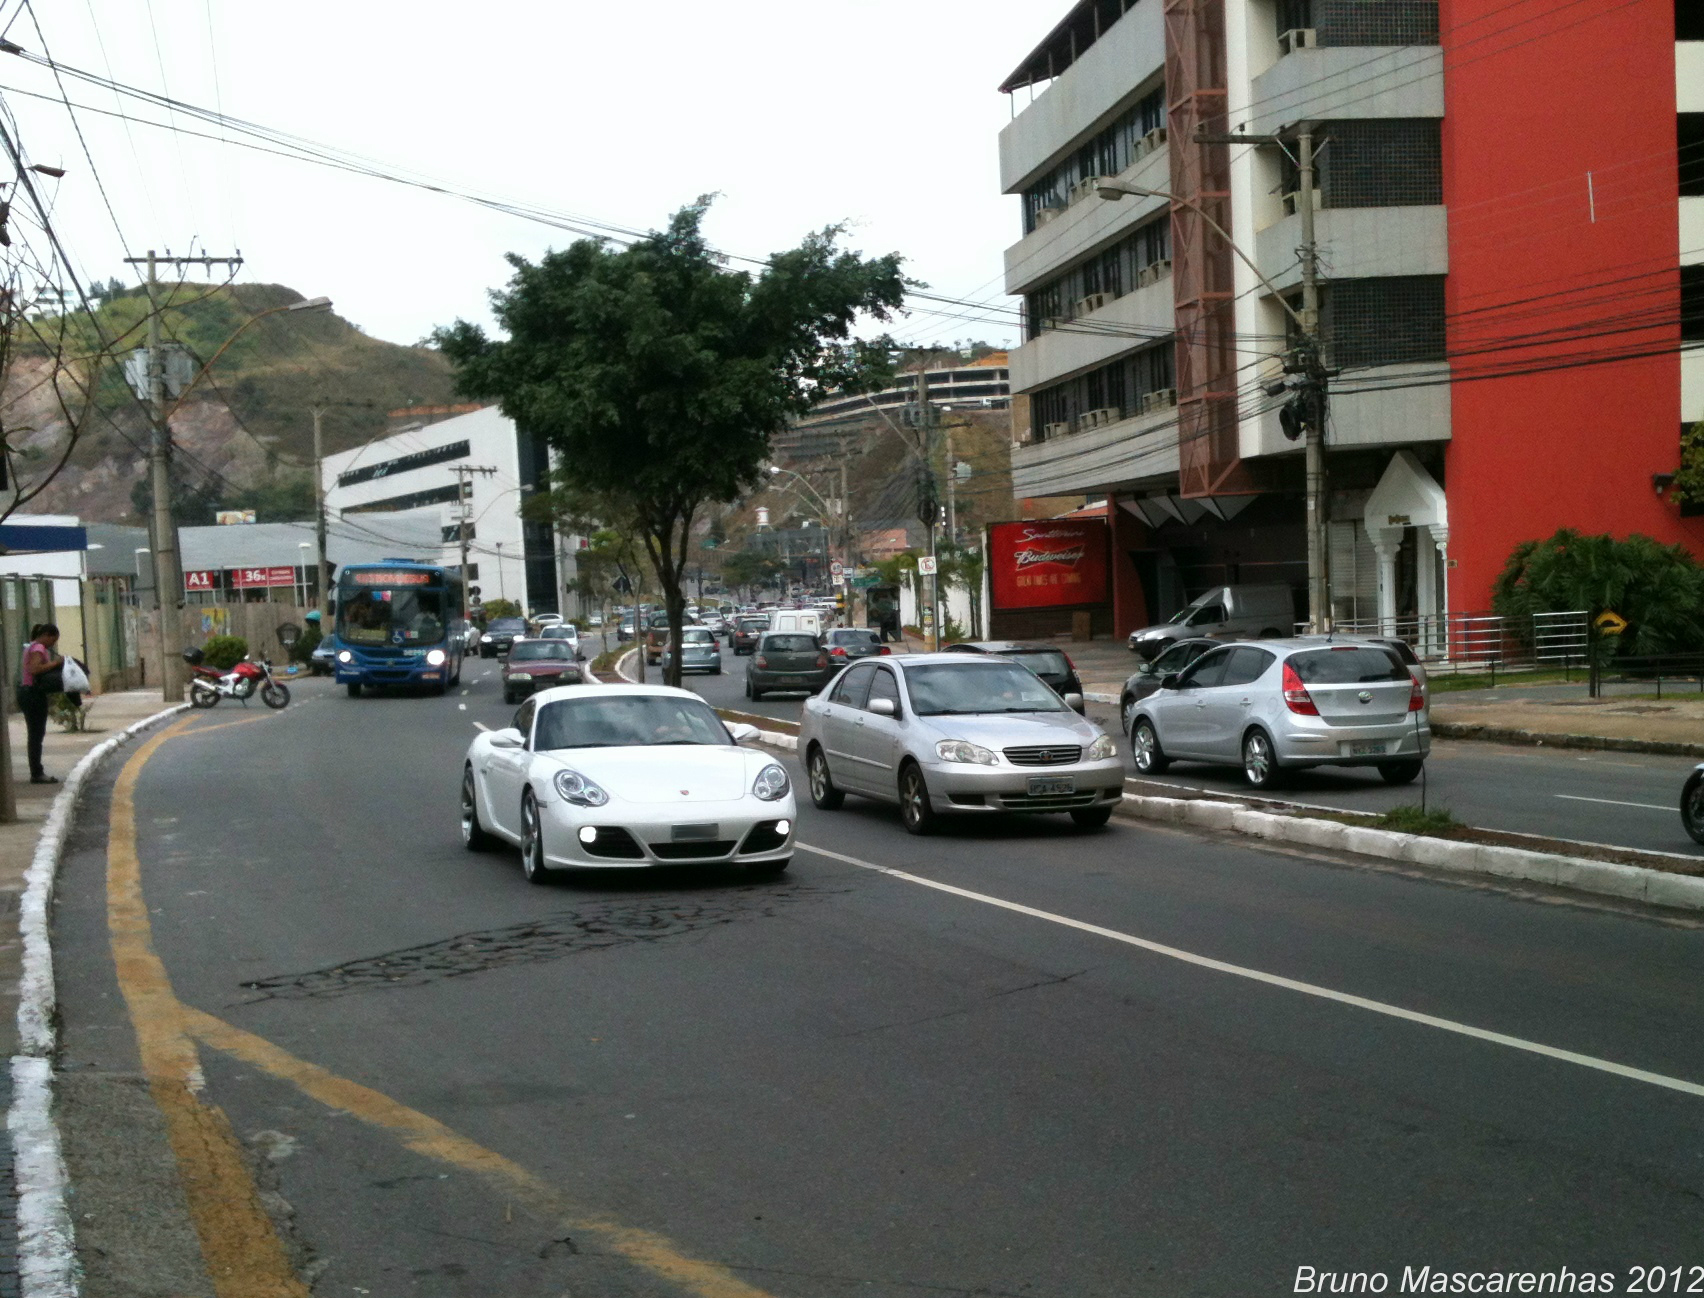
<point>627,721</point>
<point>399,615</point>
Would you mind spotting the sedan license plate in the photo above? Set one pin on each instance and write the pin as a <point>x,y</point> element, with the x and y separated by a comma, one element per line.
<point>1043,786</point>
<point>1366,747</point>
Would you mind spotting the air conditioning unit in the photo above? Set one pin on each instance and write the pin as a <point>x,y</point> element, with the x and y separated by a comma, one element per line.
<point>1045,214</point>
<point>1084,188</point>
<point>1091,302</point>
<point>1153,139</point>
<point>1144,277</point>
<point>1061,429</point>
<point>1162,399</point>
<point>1297,38</point>
<point>1105,415</point>
<point>1159,269</point>
<point>1293,200</point>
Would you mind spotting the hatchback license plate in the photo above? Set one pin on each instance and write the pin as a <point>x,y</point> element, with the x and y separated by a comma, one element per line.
<point>1366,747</point>
<point>1043,786</point>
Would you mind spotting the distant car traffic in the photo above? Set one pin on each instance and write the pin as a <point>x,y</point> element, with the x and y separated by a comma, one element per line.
<point>956,734</point>
<point>848,644</point>
<point>499,634</point>
<point>537,665</point>
<point>1281,705</point>
<point>748,630</point>
<point>699,652</point>
<point>594,618</point>
<point>1047,661</point>
<point>1146,678</point>
<point>625,775</point>
<point>787,661</point>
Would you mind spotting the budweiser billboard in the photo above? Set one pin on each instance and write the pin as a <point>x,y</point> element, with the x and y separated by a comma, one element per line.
<point>1047,563</point>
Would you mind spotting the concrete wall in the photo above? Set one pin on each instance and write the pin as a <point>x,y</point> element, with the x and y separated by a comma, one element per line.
<point>1346,81</point>
<point>1086,226</point>
<point>1358,243</point>
<point>1132,450</point>
<point>1094,339</point>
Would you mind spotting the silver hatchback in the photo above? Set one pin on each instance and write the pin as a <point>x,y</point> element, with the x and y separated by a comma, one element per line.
<point>956,734</point>
<point>1277,705</point>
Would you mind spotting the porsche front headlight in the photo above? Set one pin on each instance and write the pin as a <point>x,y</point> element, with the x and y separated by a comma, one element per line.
<point>962,750</point>
<point>1102,748</point>
<point>771,783</point>
<point>577,789</point>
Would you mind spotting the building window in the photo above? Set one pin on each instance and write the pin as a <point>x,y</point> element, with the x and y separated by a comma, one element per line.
<point>414,500</point>
<point>1362,22</point>
<point>402,464</point>
<point>1388,321</point>
<point>1117,390</point>
<point>1376,163</point>
<point>1692,303</point>
<point>1689,142</point>
<point>1141,258</point>
<point>1688,20</point>
<point>1106,154</point>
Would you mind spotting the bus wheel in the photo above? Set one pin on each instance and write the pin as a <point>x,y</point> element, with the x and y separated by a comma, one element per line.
<point>354,688</point>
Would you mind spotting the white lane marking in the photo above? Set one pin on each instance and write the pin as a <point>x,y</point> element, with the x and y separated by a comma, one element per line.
<point>480,725</point>
<point>1287,984</point>
<point>464,692</point>
<point>462,706</point>
<point>1613,802</point>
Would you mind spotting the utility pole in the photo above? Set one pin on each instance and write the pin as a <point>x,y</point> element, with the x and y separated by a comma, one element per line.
<point>932,505</point>
<point>464,521</point>
<point>319,516</point>
<point>168,569</point>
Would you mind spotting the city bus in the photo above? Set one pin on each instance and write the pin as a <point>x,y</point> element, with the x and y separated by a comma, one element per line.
<point>399,622</point>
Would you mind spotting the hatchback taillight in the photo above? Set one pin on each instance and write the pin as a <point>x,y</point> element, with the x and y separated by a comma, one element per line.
<point>1417,695</point>
<point>1296,696</point>
<point>838,652</point>
<point>884,649</point>
<point>762,661</point>
<point>822,660</point>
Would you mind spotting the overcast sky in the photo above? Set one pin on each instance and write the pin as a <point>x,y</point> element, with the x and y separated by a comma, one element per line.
<point>880,113</point>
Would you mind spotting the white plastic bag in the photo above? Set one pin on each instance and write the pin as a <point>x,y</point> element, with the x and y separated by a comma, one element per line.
<point>73,679</point>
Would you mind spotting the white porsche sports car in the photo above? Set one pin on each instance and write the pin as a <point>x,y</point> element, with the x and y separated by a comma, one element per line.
<point>626,775</point>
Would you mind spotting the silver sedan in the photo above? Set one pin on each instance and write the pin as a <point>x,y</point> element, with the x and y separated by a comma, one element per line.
<point>950,734</point>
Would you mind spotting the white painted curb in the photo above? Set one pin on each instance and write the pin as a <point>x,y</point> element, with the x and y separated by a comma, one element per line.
<point>621,666</point>
<point>1606,878</point>
<point>47,1263</point>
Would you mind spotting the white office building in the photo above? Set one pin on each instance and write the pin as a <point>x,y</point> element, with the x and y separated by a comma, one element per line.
<point>476,466</point>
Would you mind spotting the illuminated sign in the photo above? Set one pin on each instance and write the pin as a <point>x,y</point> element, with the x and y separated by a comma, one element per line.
<point>1048,563</point>
<point>391,577</point>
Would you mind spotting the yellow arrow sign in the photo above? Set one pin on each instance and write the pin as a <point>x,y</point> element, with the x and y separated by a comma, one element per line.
<point>1611,623</point>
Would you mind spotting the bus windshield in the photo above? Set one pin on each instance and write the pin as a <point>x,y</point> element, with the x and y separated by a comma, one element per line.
<point>395,615</point>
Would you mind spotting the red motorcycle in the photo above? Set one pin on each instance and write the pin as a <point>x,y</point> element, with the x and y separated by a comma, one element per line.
<point>209,684</point>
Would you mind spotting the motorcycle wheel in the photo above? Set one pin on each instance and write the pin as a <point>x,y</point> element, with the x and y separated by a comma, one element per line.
<point>202,696</point>
<point>1692,806</point>
<point>275,696</point>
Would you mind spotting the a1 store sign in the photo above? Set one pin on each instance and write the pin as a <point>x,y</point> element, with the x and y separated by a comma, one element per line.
<point>203,580</point>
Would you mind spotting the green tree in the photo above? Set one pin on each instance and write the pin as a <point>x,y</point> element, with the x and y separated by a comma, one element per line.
<point>1688,487</point>
<point>751,570</point>
<point>659,373</point>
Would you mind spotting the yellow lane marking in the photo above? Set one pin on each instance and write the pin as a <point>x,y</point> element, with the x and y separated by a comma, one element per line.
<point>244,1256</point>
<point>223,725</point>
<point>427,1136</point>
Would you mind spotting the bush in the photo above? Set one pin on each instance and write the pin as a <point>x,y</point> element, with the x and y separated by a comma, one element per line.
<point>224,651</point>
<point>303,650</point>
<point>68,716</point>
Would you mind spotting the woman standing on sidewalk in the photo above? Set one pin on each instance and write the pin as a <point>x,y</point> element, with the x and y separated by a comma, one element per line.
<point>38,679</point>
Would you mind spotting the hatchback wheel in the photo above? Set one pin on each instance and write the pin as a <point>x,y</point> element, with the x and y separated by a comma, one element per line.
<point>532,842</point>
<point>824,796</point>
<point>1145,745</point>
<point>1399,772</point>
<point>914,808</point>
<point>1260,766</point>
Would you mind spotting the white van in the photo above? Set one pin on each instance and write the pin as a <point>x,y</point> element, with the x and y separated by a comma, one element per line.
<point>806,620</point>
<point>1266,611</point>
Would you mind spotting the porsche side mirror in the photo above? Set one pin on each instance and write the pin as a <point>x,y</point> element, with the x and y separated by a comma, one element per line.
<point>510,738</point>
<point>743,732</point>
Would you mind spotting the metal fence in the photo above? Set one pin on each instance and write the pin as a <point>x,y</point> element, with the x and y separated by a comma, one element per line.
<point>1483,642</point>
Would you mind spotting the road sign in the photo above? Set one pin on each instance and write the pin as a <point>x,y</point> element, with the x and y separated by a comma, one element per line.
<point>926,564</point>
<point>1610,623</point>
<point>837,568</point>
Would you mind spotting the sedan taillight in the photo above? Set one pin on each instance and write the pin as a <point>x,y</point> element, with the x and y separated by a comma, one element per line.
<point>1296,696</point>
<point>885,650</point>
<point>761,661</point>
<point>1416,696</point>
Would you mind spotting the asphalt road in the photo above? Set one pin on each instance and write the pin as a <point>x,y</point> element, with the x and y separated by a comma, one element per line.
<point>854,1081</point>
<point>1622,799</point>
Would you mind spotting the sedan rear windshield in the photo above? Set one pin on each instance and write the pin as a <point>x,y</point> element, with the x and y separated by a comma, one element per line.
<point>790,644</point>
<point>532,650</point>
<point>505,625</point>
<point>848,636</point>
<point>1348,665</point>
<point>633,721</point>
<point>969,688</point>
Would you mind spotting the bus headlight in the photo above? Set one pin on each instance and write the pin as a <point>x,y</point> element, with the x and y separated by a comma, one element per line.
<point>344,656</point>
<point>436,657</point>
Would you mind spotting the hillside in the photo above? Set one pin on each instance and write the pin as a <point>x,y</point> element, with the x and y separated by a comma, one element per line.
<point>247,424</point>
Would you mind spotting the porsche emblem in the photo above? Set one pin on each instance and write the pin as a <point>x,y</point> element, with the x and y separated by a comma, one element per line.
<point>686,793</point>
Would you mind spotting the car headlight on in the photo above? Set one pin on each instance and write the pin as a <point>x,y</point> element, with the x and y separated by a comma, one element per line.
<point>1102,748</point>
<point>344,656</point>
<point>436,657</point>
<point>771,783</point>
<point>576,788</point>
<point>962,750</point>
<point>520,676</point>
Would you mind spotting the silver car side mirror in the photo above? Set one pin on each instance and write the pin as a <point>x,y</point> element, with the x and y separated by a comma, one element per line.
<point>743,733</point>
<point>510,738</point>
<point>1074,701</point>
<point>883,708</point>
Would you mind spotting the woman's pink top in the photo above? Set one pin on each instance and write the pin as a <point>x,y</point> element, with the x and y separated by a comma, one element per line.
<point>36,658</point>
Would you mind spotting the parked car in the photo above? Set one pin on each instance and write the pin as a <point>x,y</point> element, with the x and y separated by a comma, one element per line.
<point>1146,678</point>
<point>500,634</point>
<point>537,665</point>
<point>605,775</point>
<point>848,644</point>
<point>1047,661</point>
<point>1280,705</point>
<point>748,630</point>
<point>787,660</point>
<point>1267,612</point>
<point>956,734</point>
<point>699,652</point>
<point>594,618</point>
